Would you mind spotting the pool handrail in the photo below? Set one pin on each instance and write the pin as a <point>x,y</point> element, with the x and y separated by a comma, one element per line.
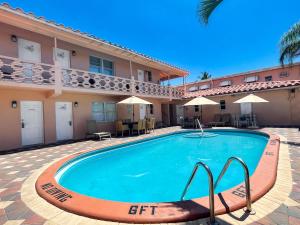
<point>246,177</point>
<point>200,126</point>
<point>211,189</point>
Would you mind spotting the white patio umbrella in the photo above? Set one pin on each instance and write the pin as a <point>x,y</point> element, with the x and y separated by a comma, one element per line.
<point>134,101</point>
<point>200,101</point>
<point>251,99</point>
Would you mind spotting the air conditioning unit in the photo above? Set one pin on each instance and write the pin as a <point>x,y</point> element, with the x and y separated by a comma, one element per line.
<point>225,83</point>
<point>251,79</point>
<point>204,87</point>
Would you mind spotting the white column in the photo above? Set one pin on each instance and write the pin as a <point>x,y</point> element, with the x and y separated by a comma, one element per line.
<point>132,79</point>
<point>58,72</point>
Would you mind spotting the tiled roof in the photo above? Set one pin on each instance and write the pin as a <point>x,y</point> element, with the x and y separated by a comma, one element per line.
<point>249,87</point>
<point>53,23</point>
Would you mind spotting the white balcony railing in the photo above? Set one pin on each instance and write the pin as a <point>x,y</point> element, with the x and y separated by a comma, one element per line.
<point>16,70</point>
<point>89,80</point>
<point>13,69</point>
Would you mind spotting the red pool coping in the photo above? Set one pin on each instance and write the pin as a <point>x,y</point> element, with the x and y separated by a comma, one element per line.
<point>232,199</point>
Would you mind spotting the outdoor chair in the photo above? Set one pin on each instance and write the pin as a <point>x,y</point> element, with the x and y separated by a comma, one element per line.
<point>188,123</point>
<point>150,124</point>
<point>217,121</point>
<point>92,131</point>
<point>140,126</point>
<point>245,120</point>
<point>226,118</point>
<point>120,127</point>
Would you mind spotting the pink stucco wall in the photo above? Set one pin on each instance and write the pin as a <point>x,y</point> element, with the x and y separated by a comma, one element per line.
<point>10,118</point>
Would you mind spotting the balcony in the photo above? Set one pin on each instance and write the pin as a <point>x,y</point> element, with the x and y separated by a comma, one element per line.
<point>15,71</point>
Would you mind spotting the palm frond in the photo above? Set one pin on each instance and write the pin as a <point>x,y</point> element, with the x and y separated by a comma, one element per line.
<point>289,52</point>
<point>292,35</point>
<point>205,9</point>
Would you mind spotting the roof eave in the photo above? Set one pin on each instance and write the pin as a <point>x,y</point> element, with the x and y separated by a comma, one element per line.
<point>18,18</point>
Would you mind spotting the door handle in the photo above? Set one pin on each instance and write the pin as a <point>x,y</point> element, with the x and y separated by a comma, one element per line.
<point>23,124</point>
<point>70,123</point>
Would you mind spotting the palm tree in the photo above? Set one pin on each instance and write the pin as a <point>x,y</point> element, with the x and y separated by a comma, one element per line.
<point>204,75</point>
<point>289,44</point>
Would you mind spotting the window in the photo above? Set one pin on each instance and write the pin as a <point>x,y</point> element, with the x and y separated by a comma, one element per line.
<point>268,78</point>
<point>98,65</point>
<point>225,83</point>
<point>151,109</point>
<point>222,104</point>
<point>204,87</point>
<point>103,112</point>
<point>149,75</point>
<point>251,79</point>
<point>193,88</point>
<point>196,108</point>
<point>108,67</point>
<point>95,64</point>
<point>283,74</point>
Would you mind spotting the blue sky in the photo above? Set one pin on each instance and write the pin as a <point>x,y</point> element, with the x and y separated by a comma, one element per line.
<point>242,34</point>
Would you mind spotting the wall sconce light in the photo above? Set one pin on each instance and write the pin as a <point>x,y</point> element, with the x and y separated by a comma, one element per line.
<point>74,53</point>
<point>14,104</point>
<point>76,104</point>
<point>13,38</point>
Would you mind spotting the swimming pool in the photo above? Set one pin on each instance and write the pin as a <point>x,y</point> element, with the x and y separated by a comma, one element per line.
<point>154,171</point>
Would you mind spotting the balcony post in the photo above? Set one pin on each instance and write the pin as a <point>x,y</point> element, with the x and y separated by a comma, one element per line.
<point>132,79</point>
<point>170,89</point>
<point>57,72</point>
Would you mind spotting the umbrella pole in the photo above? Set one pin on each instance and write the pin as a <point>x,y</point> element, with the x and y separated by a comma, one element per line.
<point>201,114</point>
<point>132,112</point>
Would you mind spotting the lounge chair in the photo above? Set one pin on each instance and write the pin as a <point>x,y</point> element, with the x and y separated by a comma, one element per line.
<point>120,127</point>
<point>92,131</point>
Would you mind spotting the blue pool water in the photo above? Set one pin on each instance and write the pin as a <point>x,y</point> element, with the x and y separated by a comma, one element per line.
<point>156,170</point>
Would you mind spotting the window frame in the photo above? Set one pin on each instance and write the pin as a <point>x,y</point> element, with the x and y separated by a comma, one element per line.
<point>105,111</point>
<point>267,78</point>
<point>102,65</point>
<point>222,104</point>
<point>149,75</point>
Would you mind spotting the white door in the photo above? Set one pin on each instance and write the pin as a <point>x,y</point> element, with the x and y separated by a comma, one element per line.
<point>142,112</point>
<point>141,75</point>
<point>30,52</point>
<point>246,108</point>
<point>63,58</point>
<point>32,130</point>
<point>64,120</point>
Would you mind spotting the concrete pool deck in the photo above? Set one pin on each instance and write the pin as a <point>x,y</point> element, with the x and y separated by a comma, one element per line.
<point>20,204</point>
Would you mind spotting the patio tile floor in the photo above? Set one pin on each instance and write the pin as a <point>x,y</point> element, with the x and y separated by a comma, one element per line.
<point>17,167</point>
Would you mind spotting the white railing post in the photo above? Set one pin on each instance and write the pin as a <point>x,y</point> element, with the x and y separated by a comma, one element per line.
<point>58,78</point>
<point>132,85</point>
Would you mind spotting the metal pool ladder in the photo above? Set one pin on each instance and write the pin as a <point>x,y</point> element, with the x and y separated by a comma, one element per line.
<point>212,185</point>
<point>200,126</point>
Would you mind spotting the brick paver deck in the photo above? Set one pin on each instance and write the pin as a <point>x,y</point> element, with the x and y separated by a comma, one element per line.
<point>17,167</point>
